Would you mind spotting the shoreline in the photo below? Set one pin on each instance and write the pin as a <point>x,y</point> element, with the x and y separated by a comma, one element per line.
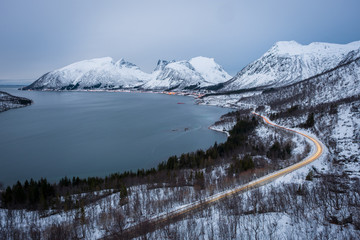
<point>193,94</point>
<point>9,101</point>
<point>218,130</point>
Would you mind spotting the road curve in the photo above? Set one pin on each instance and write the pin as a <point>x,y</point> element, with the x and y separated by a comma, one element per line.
<point>315,154</point>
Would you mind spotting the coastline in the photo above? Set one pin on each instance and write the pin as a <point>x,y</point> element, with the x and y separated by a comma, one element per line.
<point>192,94</point>
<point>212,127</point>
<point>8,101</point>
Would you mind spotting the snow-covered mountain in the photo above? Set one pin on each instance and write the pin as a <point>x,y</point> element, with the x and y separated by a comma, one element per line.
<point>104,73</point>
<point>341,82</point>
<point>160,66</point>
<point>94,73</point>
<point>175,75</point>
<point>289,62</point>
<point>196,73</point>
<point>212,72</point>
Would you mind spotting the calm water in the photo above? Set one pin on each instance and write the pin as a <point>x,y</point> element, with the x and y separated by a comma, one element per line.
<point>97,133</point>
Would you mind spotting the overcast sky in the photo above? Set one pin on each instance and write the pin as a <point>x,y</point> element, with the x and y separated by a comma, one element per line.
<point>38,36</point>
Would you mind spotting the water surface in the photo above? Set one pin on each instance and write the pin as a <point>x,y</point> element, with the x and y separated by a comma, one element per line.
<point>97,133</point>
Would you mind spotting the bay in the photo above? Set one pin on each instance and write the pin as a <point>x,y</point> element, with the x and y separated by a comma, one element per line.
<point>97,133</point>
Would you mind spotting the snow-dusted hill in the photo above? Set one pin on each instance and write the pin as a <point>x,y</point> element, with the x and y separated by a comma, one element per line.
<point>94,73</point>
<point>193,74</point>
<point>289,62</point>
<point>104,73</point>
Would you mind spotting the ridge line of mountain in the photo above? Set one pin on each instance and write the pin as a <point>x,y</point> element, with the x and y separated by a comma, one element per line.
<point>284,64</point>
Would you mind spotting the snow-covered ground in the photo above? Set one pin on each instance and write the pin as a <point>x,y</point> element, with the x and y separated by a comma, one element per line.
<point>304,217</point>
<point>340,132</point>
<point>235,218</point>
<point>347,132</point>
<point>229,101</point>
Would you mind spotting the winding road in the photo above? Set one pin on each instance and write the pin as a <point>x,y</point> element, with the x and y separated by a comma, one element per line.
<point>316,152</point>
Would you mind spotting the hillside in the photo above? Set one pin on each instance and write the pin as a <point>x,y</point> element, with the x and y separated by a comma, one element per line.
<point>342,81</point>
<point>289,62</point>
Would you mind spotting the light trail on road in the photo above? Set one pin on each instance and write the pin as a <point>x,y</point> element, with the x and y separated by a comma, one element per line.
<point>161,219</point>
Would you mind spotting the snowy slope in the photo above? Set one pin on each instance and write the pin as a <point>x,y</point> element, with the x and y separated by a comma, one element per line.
<point>94,73</point>
<point>180,74</point>
<point>193,74</point>
<point>289,62</point>
<point>341,82</point>
<point>211,71</point>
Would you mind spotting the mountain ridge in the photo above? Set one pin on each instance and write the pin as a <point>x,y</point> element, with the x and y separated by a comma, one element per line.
<point>105,73</point>
<point>288,62</point>
<point>285,63</point>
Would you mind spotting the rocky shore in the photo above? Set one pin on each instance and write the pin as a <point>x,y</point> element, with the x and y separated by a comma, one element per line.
<point>8,101</point>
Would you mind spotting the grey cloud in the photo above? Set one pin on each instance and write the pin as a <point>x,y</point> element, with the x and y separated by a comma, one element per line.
<point>39,36</point>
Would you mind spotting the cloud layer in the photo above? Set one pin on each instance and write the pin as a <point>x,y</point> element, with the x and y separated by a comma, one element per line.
<point>40,35</point>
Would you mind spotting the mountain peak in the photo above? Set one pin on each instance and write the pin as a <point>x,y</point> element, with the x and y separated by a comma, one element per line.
<point>123,63</point>
<point>196,73</point>
<point>203,63</point>
<point>286,47</point>
<point>209,69</point>
<point>94,73</point>
<point>287,43</point>
<point>202,59</point>
<point>161,64</point>
<point>87,65</point>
